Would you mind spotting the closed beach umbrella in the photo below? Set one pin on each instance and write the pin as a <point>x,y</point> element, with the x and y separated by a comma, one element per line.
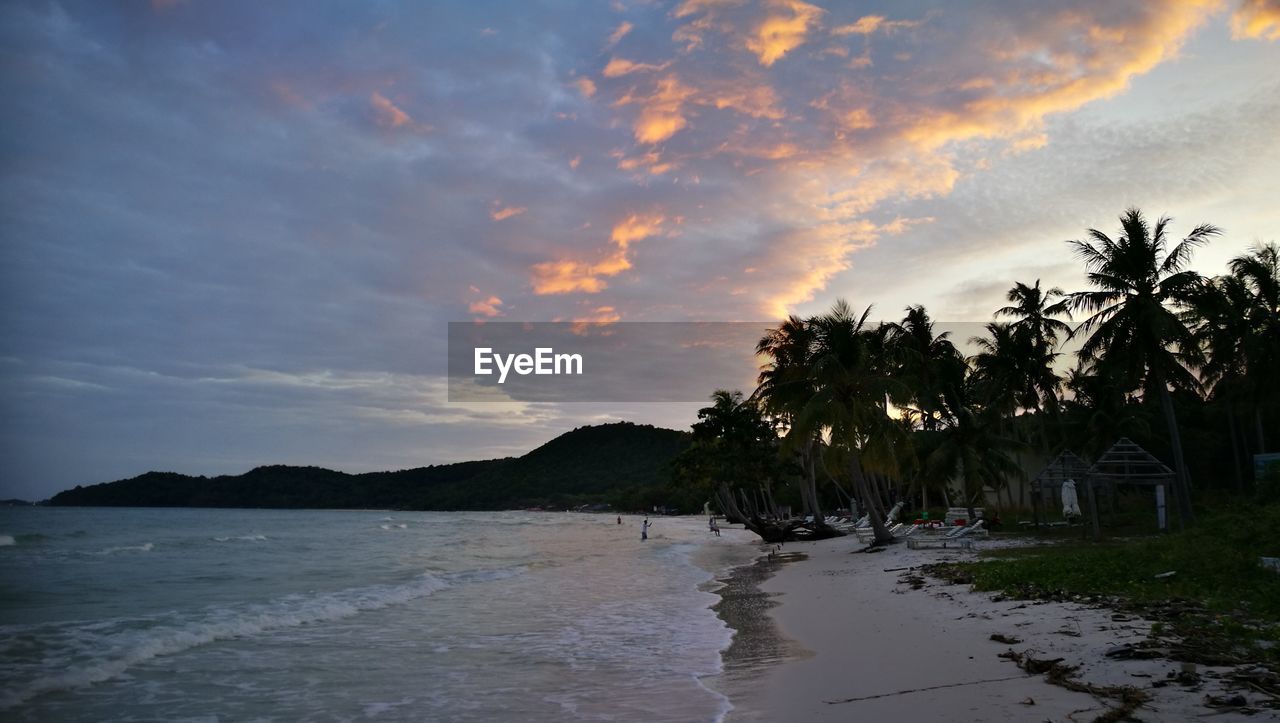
<point>1070,503</point>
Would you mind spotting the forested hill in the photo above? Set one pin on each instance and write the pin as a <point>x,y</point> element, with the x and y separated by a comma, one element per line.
<point>620,464</point>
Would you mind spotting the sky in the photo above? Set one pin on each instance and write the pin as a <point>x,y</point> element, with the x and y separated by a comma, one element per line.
<point>234,233</point>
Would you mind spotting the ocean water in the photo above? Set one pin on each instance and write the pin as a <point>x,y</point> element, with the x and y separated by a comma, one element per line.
<point>210,615</point>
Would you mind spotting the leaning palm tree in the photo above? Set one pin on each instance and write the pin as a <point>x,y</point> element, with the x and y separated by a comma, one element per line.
<point>1133,331</point>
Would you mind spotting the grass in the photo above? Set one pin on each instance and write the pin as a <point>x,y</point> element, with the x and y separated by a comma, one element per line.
<point>1219,598</point>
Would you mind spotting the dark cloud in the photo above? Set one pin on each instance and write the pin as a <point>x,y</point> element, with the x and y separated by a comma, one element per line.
<point>233,232</point>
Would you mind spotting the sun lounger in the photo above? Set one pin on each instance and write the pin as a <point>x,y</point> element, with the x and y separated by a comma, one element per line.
<point>958,537</point>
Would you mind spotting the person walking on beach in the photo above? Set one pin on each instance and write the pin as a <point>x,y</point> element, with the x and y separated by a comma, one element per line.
<point>619,519</point>
<point>644,530</point>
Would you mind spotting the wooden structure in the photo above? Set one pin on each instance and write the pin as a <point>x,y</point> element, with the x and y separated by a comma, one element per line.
<point>1048,484</point>
<point>1127,463</point>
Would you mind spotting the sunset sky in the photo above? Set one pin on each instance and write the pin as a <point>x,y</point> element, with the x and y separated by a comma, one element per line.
<point>234,232</point>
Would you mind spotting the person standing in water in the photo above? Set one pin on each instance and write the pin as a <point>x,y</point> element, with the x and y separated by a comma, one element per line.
<point>644,530</point>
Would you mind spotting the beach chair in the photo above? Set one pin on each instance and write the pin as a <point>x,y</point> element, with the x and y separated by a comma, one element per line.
<point>907,530</point>
<point>958,537</point>
<point>867,534</point>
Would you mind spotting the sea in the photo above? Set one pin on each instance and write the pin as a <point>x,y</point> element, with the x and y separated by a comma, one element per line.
<point>116,614</point>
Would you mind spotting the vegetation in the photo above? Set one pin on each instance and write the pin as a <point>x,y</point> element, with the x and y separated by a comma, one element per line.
<point>624,465</point>
<point>870,415</point>
<point>1218,599</point>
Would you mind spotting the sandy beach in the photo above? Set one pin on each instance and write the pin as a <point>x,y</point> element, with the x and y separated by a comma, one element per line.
<point>872,640</point>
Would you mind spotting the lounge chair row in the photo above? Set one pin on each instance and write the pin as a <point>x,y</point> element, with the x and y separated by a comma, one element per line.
<point>956,537</point>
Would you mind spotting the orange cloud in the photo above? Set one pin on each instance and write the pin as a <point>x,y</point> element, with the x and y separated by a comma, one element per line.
<point>857,119</point>
<point>506,212</point>
<point>568,275</point>
<point>873,140</point>
<point>650,162</point>
<point>1256,19</point>
<point>387,114</point>
<point>619,33</point>
<point>634,228</point>
<point>662,112</point>
<point>779,34</point>
<point>618,67</point>
<point>1073,78</point>
<point>565,277</point>
<point>597,320</point>
<point>869,24</point>
<point>758,100</point>
<point>585,86</point>
<point>865,26</point>
<point>486,307</point>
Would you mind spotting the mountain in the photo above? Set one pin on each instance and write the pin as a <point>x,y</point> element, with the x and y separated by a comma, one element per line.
<point>623,464</point>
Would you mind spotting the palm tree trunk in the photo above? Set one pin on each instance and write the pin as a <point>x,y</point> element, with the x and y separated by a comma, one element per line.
<point>1175,440</point>
<point>1235,446</point>
<point>1257,423</point>
<point>875,516</point>
<point>818,520</point>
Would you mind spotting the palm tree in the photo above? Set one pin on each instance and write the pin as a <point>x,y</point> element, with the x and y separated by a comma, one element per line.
<point>1104,411</point>
<point>1033,310</point>
<point>971,446</point>
<point>783,389</point>
<point>919,356</point>
<point>918,353</point>
<point>998,367</point>
<point>850,372</point>
<point>1259,273</point>
<point>1133,333</point>
<point>1217,314</point>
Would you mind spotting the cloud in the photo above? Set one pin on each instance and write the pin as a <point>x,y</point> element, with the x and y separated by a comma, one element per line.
<point>567,276</point>
<point>619,33</point>
<point>870,24</point>
<point>488,307</point>
<point>619,67</point>
<point>502,213</point>
<point>1256,19</point>
<point>781,32</point>
<point>814,156</point>
<point>387,113</point>
<point>661,111</point>
<point>585,86</point>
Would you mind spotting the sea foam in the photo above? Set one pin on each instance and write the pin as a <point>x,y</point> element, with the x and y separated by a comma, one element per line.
<point>110,650</point>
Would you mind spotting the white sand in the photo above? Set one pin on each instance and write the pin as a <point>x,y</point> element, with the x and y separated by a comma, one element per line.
<point>871,635</point>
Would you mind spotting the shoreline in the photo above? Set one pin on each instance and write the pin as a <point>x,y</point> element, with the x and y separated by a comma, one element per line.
<point>870,637</point>
<point>757,642</point>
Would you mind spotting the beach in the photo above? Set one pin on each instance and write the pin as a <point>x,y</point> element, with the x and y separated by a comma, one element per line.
<point>874,639</point>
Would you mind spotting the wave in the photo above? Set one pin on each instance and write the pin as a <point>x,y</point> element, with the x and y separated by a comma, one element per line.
<point>115,647</point>
<point>7,540</point>
<point>242,538</point>
<point>144,547</point>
